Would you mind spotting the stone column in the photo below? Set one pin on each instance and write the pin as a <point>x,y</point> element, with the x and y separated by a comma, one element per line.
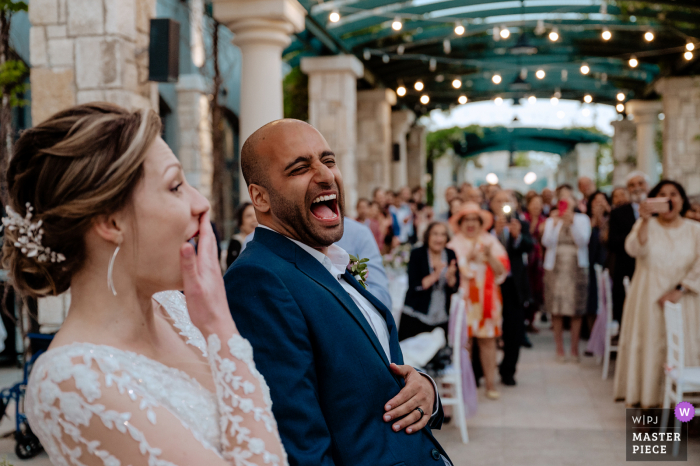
<point>262,30</point>
<point>646,118</point>
<point>194,132</point>
<point>333,111</point>
<point>443,177</point>
<point>624,150</point>
<point>374,140</point>
<point>401,121</point>
<point>82,51</point>
<point>586,160</point>
<point>416,156</point>
<point>681,130</point>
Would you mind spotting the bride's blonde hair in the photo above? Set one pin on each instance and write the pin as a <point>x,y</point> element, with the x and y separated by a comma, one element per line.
<point>80,163</point>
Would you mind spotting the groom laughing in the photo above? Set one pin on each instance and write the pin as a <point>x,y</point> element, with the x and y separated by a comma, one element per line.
<point>328,349</point>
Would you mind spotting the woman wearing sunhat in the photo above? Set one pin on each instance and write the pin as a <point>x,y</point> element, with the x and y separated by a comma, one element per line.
<point>483,265</point>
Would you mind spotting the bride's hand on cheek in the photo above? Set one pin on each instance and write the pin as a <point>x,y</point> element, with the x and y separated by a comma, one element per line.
<point>203,282</point>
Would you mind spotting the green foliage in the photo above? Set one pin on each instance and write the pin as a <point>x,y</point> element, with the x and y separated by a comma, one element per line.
<point>358,268</point>
<point>12,76</point>
<point>438,142</point>
<point>13,6</point>
<point>5,462</point>
<point>296,95</point>
<point>522,159</point>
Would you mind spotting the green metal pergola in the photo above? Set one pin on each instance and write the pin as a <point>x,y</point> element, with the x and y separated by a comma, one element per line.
<point>428,48</point>
<point>553,141</point>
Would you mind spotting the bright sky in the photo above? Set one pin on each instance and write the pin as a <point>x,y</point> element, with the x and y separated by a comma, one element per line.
<point>540,114</point>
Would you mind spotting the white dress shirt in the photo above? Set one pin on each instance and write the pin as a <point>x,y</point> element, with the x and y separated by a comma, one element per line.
<point>336,262</point>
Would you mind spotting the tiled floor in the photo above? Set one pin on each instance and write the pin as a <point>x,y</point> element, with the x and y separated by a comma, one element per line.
<point>558,415</point>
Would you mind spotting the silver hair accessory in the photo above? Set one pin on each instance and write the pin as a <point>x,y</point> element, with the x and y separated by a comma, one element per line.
<point>30,235</point>
<point>110,281</point>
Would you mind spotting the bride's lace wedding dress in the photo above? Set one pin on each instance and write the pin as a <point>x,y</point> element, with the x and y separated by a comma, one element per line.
<point>98,405</point>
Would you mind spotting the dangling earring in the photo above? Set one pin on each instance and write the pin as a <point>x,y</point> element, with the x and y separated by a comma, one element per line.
<point>110,282</point>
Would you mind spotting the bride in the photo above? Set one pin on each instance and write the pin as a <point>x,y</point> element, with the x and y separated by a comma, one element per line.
<point>137,375</point>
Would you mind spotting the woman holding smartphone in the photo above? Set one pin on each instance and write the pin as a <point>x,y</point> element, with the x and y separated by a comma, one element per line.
<point>566,235</point>
<point>667,249</point>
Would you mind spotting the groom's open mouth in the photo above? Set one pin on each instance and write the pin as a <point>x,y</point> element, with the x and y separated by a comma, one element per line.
<point>325,207</point>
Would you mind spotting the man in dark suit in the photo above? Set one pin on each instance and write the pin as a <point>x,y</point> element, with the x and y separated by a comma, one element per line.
<point>328,349</point>
<point>622,220</point>
<point>515,236</point>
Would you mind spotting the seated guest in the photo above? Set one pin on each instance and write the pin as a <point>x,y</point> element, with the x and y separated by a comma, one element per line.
<point>432,280</point>
<point>246,220</point>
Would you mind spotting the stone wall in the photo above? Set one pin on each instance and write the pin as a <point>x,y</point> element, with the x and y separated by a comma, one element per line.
<point>374,140</point>
<point>416,156</point>
<point>681,133</point>
<point>85,50</point>
<point>624,150</point>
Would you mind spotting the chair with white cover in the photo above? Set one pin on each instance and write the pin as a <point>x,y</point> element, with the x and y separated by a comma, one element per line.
<point>680,379</point>
<point>452,375</point>
<point>612,327</point>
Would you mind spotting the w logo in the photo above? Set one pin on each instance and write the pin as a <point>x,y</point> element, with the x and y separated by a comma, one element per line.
<point>684,411</point>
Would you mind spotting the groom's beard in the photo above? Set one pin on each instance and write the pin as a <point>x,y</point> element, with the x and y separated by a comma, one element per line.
<point>298,219</point>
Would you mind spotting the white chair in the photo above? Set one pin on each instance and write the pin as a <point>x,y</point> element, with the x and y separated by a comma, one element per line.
<point>452,374</point>
<point>679,378</point>
<point>612,327</point>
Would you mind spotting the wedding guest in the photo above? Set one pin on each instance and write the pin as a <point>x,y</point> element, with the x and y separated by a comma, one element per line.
<point>598,210</point>
<point>418,196</point>
<point>514,235</point>
<point>246,221</point>
<point>450,194</point>
<point>586,187</point>
<point>474,195</point>
<point>379,196</point>
<point>535,269</point>
<point>619,197</point>
<point>378,224</point>
<point>424,218</point>
<point>432,280</point>
<point>620,225</point>
<point>362,209</point>
<point>483,265</point>
<point>694,211</point>
<point>667,249</point>
<point>566,235</point>
<point>463,189</point>
<point>547,199</point>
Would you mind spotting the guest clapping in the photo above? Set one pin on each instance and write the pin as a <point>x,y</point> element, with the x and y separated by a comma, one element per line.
<point>483,265</point>
<point>566,235</point>
<point>432,280</point>
<point>667,249</point>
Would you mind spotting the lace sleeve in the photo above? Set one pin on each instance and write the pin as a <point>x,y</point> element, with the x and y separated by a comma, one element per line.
<point>89,411</point>
<point>249,433</point>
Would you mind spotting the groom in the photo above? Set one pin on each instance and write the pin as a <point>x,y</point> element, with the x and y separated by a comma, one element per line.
<point>328,349</point>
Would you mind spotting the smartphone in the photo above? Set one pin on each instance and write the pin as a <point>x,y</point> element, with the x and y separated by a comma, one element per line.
<point>563,206</point>
<point>659,205</point>
<point>508,211</point>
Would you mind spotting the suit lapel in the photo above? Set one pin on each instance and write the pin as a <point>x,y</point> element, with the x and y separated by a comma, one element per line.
<point>394,347</point>
<point>318,273</point>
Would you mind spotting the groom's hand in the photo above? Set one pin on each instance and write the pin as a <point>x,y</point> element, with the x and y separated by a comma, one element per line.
<point>418,393</point>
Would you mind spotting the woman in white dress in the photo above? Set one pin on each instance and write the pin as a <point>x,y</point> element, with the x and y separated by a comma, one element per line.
<point>667,249</point>
<point>137,375</point>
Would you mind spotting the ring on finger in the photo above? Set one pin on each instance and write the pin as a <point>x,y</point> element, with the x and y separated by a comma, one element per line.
<point>420,411</point>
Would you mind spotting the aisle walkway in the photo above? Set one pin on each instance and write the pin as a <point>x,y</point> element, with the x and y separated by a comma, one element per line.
<point>557,415</point>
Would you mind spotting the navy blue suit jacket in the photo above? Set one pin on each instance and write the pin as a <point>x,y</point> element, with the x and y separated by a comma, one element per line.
<point>328,375</point>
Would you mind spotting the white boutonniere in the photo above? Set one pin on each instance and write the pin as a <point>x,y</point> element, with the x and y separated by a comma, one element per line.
<point>358,269</point>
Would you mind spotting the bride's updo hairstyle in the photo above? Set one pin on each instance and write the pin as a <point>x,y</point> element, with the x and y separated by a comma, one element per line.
<point>81,163</point>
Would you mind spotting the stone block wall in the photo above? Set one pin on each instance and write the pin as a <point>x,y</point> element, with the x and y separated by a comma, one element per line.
<point>681,133</point>
<point>624,150</point>
<point>86,50</point>
<point>416,156</point>
<point>374,140</point>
